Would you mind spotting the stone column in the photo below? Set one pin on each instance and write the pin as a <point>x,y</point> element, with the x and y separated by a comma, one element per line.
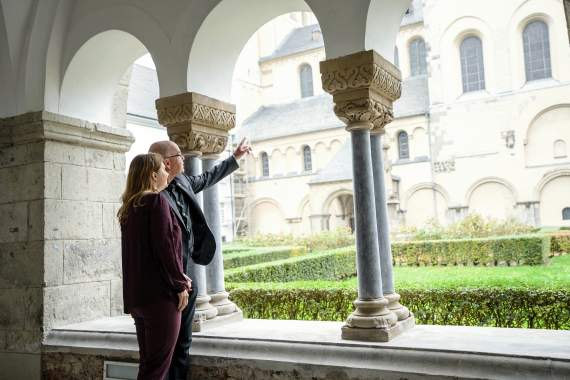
<point>60,243</point>
<point>391,192</point>
<point>364,86</point>
<point>197,123</point>
<point>383,221</point>
<point>204,309</point>
<point>215,270</point>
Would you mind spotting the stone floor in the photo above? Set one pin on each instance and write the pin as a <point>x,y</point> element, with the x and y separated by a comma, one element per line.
<point>303,349</point>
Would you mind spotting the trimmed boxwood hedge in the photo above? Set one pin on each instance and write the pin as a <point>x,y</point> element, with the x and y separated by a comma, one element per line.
<point>560,242</point>
<point>335,264</point>
<point>520,249</point>
<point>493,303</point>
<point>251,256</point>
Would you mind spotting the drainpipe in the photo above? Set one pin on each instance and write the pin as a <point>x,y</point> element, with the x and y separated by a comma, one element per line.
<point>431,163</point>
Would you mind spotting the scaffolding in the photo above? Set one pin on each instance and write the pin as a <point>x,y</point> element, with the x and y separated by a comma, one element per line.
<point>241,195</point>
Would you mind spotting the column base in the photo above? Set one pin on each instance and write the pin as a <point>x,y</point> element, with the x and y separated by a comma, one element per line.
<point>221,302</point>
<point>378,334</point>
<point>204,309</point>
<point>395,307</point>
<point>208,324</point>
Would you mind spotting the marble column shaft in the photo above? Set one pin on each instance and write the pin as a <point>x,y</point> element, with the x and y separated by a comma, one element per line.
<point>367,259</point>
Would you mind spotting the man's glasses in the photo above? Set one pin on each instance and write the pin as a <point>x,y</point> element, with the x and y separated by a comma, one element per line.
<point>177,155</point>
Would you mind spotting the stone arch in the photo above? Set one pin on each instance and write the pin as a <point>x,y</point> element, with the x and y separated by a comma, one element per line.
<point>420,142</point>
<point>269,215</point>
<point>117,35</point>
<point>340,205</point>
<point>455,33</point>
<point>7,103</point>
<point>276,162</point>
<point>484,180</point>
<point>335,146</point>
<point>333,196</point>
<point>527,12</point>
<point>320,159</point>
<point>425,185</point>
<point>214,51</point>
<point>494,197</point>
<point>291,163</point>
<point>549,176</point>
<point>552,193</point>
<point>548,126</point>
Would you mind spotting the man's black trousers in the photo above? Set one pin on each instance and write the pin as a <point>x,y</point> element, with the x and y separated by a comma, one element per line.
<point>179,366</point>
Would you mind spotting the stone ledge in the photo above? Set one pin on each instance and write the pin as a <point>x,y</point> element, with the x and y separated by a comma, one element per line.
<point>217,321</point>
<point>306,350</point>
<point>42,125</point>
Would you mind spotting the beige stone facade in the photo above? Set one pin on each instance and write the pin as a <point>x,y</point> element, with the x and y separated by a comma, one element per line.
<point>500,151</point>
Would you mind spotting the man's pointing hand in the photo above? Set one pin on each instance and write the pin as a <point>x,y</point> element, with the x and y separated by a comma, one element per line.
<point>242,149</point>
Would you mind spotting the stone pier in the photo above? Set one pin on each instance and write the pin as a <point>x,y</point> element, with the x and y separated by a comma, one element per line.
<point>199,125</point>
<point>364,86</point>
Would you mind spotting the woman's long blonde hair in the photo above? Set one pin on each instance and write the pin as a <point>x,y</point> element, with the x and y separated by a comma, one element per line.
<point>139,182</point>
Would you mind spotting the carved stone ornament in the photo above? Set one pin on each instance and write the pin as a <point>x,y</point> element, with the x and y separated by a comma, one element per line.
<point>196,123</point>
<point>364,110</point>
<point>369,75</point>
<point>364,86</point>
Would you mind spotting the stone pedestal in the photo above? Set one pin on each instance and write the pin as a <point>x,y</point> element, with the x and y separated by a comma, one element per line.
<point>364,86</point>
<point>60,243</point>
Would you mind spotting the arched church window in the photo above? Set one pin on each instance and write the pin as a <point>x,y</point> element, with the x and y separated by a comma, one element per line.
<point>559,149</point>
<point>403,146</point>
<point>536,44</point>
<point>566,213</point>
<point>265,164</point>
<point>306,81</point>
<point>307,159</point>
<point>418,63</point>
<point>396,57</point>
<point>472,71</point>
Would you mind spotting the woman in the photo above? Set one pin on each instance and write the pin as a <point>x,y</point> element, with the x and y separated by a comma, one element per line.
<point>154,286</point>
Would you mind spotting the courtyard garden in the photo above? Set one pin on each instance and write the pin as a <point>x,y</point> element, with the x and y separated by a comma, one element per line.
<point>477,272</point>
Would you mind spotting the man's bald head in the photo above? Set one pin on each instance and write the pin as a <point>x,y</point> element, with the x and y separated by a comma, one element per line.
<point>164,148</point>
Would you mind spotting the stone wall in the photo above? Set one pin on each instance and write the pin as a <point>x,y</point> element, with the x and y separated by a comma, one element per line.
<point>59,241</point>
<point>68,366</point>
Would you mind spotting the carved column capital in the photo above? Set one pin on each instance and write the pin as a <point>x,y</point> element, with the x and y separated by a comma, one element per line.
<point>364,86</point>
<point>196,123</point>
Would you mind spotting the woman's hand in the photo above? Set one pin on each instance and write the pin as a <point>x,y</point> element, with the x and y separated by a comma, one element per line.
<point>183,300</point>
<point>188,283</point>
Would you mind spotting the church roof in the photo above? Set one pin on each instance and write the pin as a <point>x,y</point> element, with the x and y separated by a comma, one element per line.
<point>298,40</point>
<point>417,15</point>
<point>292,118</point>
<point>315,113</point>
<point>339,167</point>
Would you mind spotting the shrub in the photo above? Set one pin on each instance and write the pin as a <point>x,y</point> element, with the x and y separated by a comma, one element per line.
<point>560,242</point>
<point>472,226</point>
<point>492,303</point>
<point>525,250</point>
<point>319,241</point>
<point>251,256</point>
<point>335,264</point>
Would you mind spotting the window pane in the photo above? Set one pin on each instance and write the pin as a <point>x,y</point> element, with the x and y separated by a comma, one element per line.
<point>566,213</point>
<point>306,81</point>
<point>307,159</point>
<point>472,68</point>
<point>536,45</point>
<point>265,164</point>
<point>396,58</point>
<point>403,149</point>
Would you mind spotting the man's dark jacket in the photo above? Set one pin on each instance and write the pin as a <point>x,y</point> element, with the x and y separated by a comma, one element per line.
<point>204,241</point>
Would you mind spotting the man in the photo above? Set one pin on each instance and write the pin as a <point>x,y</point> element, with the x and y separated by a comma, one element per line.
<point>198,241</point>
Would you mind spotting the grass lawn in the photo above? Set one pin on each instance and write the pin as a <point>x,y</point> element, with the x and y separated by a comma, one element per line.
<point>556,270</point>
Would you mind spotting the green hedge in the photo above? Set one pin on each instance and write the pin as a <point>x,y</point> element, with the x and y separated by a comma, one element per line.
<point>336,264</point>
<point>560,242</point>
<point>495,304</point>
<point>521,249</point>
<point>251,256</point>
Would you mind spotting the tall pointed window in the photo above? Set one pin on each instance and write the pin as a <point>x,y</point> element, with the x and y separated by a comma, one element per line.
<point>472,71</point>
<point>265,164</point>
<point>307,159</point>
<point>418,63</point>
<point>566,213</point>
<point>396,57</point>
<point>536,45</point>
<point>306,81</point>
<point>403,146</point>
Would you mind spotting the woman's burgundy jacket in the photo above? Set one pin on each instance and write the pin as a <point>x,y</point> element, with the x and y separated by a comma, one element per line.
<point>152,253</point>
